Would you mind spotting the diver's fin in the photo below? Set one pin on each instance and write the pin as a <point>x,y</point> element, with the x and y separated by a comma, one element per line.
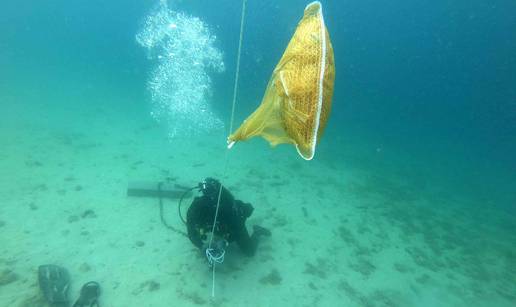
<point>54,282</point>
<point>90,293</point>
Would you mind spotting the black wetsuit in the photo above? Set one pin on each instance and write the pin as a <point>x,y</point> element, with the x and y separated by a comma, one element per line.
<point>230,221</point>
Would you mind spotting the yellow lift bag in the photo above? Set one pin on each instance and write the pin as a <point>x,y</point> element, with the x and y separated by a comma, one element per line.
<point>297,101</point>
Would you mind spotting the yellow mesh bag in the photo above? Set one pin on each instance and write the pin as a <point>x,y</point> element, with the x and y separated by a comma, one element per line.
<point>297,101</point>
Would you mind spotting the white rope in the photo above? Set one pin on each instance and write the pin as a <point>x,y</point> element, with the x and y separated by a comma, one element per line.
<point>213,257</point>
<point>237,72</point>
<point>235,91</point>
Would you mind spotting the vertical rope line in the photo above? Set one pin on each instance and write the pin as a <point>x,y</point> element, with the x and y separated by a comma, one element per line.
<point>224,171</point>
<point>237,72</point>
<point>213,280</point>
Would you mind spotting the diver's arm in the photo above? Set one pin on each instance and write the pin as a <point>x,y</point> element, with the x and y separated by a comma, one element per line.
<point>194,236</point>
<point>243,210</point>
<point>192,220</point>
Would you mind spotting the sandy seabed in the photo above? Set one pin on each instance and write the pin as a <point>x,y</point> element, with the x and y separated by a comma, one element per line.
<point>344,233</point>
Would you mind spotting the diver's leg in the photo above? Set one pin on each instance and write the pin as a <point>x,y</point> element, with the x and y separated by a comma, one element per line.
<point>247,243</point>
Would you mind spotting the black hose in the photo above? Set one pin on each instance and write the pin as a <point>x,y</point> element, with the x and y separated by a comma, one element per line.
<point>180,201</point>
<point>163,217</point>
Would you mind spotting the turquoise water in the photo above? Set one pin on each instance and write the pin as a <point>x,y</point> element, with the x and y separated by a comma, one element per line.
<point>409,201</point>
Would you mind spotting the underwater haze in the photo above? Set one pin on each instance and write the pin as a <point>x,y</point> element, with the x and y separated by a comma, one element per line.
<point>410,199</point>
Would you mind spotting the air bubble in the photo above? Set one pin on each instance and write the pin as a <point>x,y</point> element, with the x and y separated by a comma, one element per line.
<point>184,55</point>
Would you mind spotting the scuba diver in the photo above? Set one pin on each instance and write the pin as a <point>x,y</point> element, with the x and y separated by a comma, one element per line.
<point>230,226</point>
